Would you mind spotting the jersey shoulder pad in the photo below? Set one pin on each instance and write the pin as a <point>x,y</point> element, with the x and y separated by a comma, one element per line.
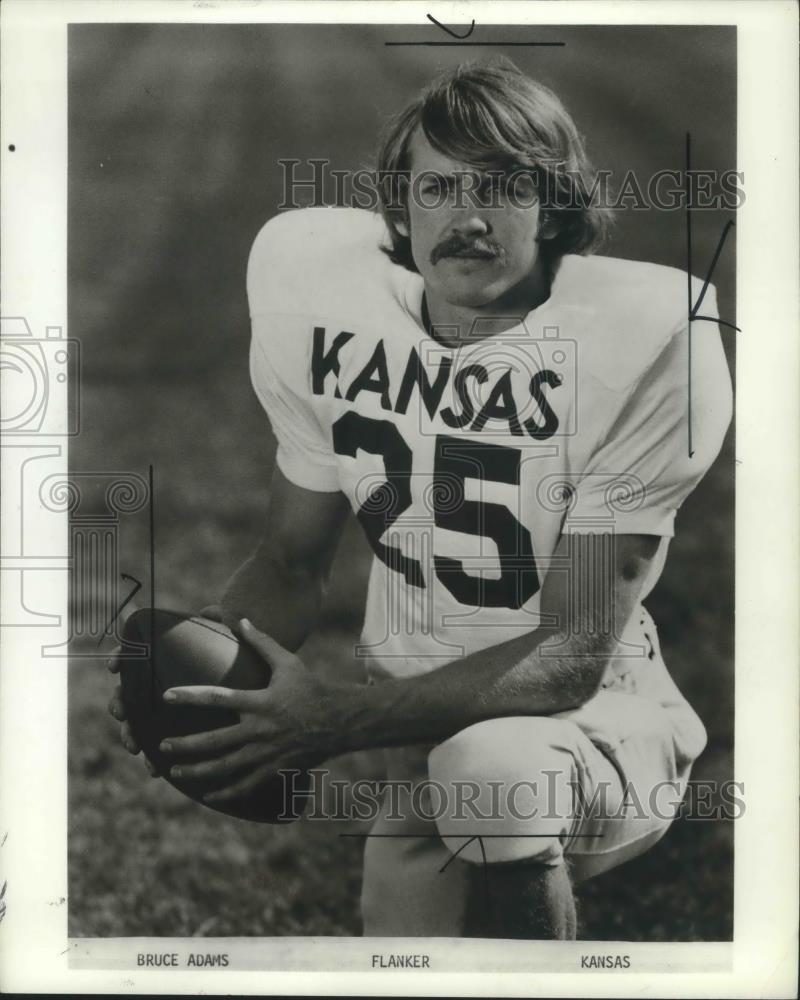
<point>315,260</point>
<point>634,309</point>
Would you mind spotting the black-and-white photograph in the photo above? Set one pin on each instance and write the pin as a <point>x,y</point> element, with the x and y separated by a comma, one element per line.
<point>439,436</point>
<point>401,496</point>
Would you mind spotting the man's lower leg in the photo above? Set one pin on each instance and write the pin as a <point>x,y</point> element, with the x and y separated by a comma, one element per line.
<point>527,901</point>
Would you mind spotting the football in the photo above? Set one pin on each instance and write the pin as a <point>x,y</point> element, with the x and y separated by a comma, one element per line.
<point>164,649</point>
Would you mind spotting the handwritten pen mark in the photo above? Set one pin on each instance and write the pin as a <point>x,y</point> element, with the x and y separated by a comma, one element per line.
<point>693,314</point>
<point>487,894</point>
<point>438,836</point>
<point>716,319</point>
<point>484,863</point>
<point>456,854</point>
<point>125,603</point>
<point>152,526</point>
<point>462,39</point>
<point>484,44</point>
<point>689,289</point>
<point>470,838</point>
<point>449,31</point>
<point>693,309</point>
<point>5,838</point>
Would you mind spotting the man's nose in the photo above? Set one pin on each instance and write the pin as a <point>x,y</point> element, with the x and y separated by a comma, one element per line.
<point>471,222</point>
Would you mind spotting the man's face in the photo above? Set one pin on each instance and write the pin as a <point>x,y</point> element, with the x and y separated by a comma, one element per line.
<point>472,239</point>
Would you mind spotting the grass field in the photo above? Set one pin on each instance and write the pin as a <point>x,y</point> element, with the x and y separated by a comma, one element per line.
<point>174,134</point>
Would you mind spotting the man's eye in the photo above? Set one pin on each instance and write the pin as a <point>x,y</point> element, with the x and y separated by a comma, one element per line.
<point>434,186</point>
<point>522,186</point>
<point>492,186</point>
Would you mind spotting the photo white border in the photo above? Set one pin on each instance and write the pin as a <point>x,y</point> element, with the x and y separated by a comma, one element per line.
<point>34,948</point>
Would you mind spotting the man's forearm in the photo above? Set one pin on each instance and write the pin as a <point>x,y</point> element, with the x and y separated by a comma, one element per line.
<point>524,676</point>
<point>281,601</point>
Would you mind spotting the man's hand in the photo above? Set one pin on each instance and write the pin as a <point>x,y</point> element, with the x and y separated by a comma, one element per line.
<point>117,710</point>
<point>116,706</point>
<point>294,723</point>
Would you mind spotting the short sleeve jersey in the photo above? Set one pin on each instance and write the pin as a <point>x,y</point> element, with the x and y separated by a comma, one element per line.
<point>466,465</point>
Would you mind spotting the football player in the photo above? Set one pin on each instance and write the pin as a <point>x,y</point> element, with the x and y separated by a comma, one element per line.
<point>506,414</point>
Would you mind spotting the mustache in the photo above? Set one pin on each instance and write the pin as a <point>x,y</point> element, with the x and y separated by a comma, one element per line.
<point>458,246</point>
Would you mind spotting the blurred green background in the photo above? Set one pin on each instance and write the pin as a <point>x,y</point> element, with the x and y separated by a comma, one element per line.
<point>174,137</point>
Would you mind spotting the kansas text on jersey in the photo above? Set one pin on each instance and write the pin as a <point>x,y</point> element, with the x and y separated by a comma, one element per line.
<point>465,466</point>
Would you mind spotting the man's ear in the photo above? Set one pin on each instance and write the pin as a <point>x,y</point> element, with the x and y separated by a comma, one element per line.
<point>402,227</point>
<point>548,228</point>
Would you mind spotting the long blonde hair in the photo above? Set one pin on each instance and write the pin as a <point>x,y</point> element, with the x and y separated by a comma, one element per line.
<point>491,115</point>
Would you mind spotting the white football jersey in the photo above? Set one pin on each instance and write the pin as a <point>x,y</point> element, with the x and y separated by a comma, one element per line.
<point>466,465</point>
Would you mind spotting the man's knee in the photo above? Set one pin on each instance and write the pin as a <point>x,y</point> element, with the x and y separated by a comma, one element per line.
<point>509,788</point>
